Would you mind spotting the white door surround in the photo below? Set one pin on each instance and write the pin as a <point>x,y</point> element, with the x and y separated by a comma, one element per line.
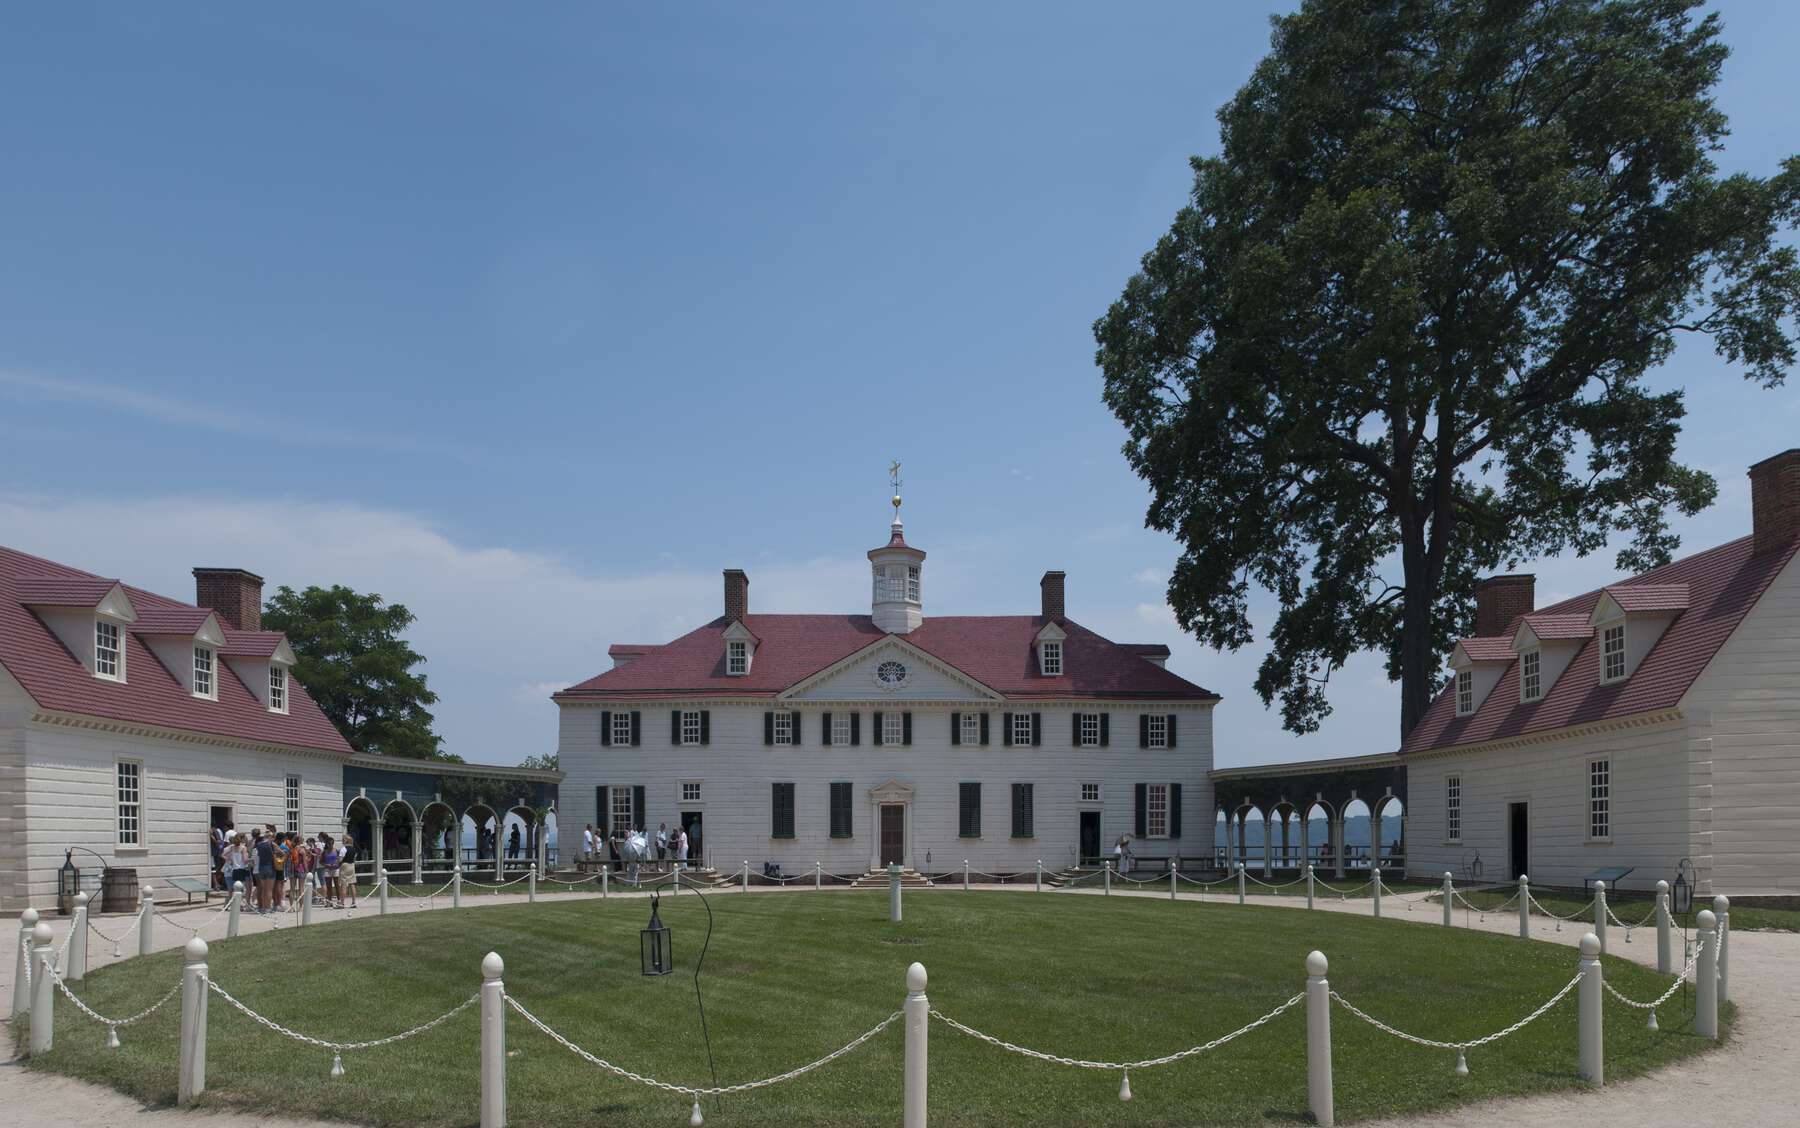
<point>891,792</point>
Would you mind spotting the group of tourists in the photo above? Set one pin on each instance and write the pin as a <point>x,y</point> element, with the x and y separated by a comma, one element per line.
<point>626,846</point>
<point>274,865</point>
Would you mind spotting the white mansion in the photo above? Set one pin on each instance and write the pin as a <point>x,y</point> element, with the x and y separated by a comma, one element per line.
<point>855,740</point>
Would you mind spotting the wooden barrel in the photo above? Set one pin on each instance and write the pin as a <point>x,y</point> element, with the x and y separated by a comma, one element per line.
<point>118,890</point>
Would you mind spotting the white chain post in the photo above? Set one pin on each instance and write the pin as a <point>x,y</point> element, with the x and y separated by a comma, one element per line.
<point>894,892</point>
<point>75,963</point>
<point>1375,883</point>
<point>493,1042</point>
<point>1600,914</point>
<point>306,899</point>
<point>1706,977</point>
<point>1449,896</point>
<point>43,989</point>
<point>917,1009</point>
<point>456,887</point>
<point>1240,883</point>
<point>818,876</point>
<point>1309,885</point>
<point>1722,910</point>
<point>1665,941</point>
<point>192,1080</point>
<point>1591,994</point>
<point>231,915</point>
<point>1107,878</point>
<point>744,885</point>
<point>1039,886</point>
<point>1318,1039</point>
<point>531,885</point>
<point>22,962</point>
<point>605,882</point>
<point>965,875</point>
<point>1174,864</point>
<point>1524,907</point>
<point>146,919</point>
<point>381,894</point>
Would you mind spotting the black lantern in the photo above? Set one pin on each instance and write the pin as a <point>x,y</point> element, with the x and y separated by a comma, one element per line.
<point>656,944</point>
<point>1681,895</point>
<point>68,884</point>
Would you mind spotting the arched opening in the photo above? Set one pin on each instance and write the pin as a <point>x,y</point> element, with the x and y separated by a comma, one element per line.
<point>437,836</point>
<point>1320,850</point>
<point>519,838</point>
<point>1388,834</point>
<point>1250,835</point>
<point>547,833</point>
<point>396,833</point>
<point>1356,835</point>
<point>1286,837</point>
<point>359,834</point>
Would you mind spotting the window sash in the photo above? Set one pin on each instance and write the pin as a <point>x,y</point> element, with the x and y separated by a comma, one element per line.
<point>621,727</point>
<point>690,726</point>
<point>130,803</point>
<point>1453,808</point>
<point>737,658</point>
<point>106,648</point>
<point>1600,799</point>
<point>893,728</point>
<point>277,689</point>
<point>203,672</point>
<point>971,728</point>
<point>1465,692</point>
<point>1158,731</point>
<point>623,817</point>
<point>1021,725</point>
<point>1090,793</point>
<point>1052,659</point>
<point>840,728</point>
<point>783,727</point>
<point>1090,730</point>
<point>293,804</point>
<point>1612,653</point>
<point>912,583</point>
<point>1156,821</point>
<point>690,793</point>
<point>1531,675</point>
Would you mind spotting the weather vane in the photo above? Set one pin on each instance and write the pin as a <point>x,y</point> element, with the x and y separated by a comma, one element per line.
<point>894,481</point>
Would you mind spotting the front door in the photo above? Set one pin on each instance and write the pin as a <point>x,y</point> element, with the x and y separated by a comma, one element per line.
<point>893,834</point>
<point>1520,837</point>
<point>1090,837</point>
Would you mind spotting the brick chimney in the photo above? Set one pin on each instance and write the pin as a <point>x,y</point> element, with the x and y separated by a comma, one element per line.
<point>1501,599</point>
<point>737,593</point>
<point>234,593</point>
<point>1775,500</point>
<point>1051,589</point>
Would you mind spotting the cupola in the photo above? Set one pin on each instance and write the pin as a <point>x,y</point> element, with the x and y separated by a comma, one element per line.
<point>894,571</point>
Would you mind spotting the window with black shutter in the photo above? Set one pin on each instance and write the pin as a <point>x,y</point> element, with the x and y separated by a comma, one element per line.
<point>768,727</point>
<point>1006,730</point>
<point>1143,810</point>
<point>825,730</point>
<point>605,728</point>
<point>603,811</point>
<point>855,729</point>
<point>638,807</point>
<point>706,726</point>
<point>1174,810</point>
<point>781,815</point>
<point>675,727</point>
<point>984,728</point>
<point>637,729</point>
<point>875,727</point>
<point>955,729</point>
<point>1021,810</point>
<point>968,821</point>
<point>840,810</point>
<point>1037,729</point>
<point>1171,730</point>
<point>906,728</point>
<point>1105,730</point>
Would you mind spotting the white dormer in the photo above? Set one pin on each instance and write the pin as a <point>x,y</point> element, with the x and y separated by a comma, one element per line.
<point>187,641</point>
<point>89,615</point>
<point>740,649</point>
<point>1628,619</point>
<point>1546,644</point>
<point>264,662</point>
<point>1477,664</point>
<point>1052,661</point>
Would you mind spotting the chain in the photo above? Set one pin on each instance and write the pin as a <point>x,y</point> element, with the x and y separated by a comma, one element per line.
<point>340,1047</point>
<point>121,937</point>
<point>1553,916</point>
<point>1494,1037</point>
<point>113,1022</point>
<point>1266,885</point>
<point>392,888</point>
<point>688,1090</point>
<point>1147,1063</point>
<point>1629,927</point>
<point>194,929</point>
<point>502,885</point>
<point>1660,999</point>
<point>25,952</point>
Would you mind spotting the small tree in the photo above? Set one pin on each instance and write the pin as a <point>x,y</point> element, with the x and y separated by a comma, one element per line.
<point>1397,337</point>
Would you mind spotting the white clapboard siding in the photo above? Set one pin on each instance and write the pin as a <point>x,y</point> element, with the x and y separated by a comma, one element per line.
<point>735,771</point>
<point>13,841</point>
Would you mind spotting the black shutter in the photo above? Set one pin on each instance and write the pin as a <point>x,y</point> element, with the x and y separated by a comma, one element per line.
<point>768,727</point>
<point>602,811</point>
<point>1143,810</point>
<point>675,727</point>
<point>840,810</point>
<point>875,729</point>
<point>1037,729</point>
<point>969,810</point>
<point>781,821</point>
<point>1075,730</point>
<point>855,728</point>
<point>795,738</point>
<point>1143,730</point>
<point>955,729</point>
<point>706,726</point>
<point>637,728</point>
<point>638,806</point>
<point>984,728</point>
<point>1006,729</point>
<point>605,728</point>
<point>825,733</point>
<point>1175,810</point>
<point>1022,821</point>
<point>906,728</point>
<point>1105,729</point>
<point>1171,730</point>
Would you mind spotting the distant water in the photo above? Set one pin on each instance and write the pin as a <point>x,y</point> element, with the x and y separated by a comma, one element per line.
<point>1356,832</point>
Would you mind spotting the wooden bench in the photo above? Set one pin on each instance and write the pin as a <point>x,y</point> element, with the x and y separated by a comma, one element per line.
<point>191,886</point>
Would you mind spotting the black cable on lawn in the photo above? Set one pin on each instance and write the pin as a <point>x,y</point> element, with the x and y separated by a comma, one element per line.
<point>705,1035</point>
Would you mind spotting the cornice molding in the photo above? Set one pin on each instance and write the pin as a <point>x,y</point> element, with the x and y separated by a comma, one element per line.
<point>182,736</point>
<point>1552,736</point>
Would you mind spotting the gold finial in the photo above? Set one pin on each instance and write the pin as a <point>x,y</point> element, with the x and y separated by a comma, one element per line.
<point>894,481</point>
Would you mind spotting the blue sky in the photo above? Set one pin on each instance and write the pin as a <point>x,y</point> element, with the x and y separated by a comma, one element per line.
<point>534,319</point>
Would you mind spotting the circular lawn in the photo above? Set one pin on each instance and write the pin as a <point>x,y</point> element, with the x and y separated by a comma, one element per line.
<point>790,977</point>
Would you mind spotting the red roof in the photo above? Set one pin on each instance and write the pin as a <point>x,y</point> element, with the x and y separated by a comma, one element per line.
<point>170,620</point>
<point>151,695</point>
<point>995,650</point>
<point>62,591</point>
<point>1723,583</point>
<point>251,644</point>
<point>1552,626</point>
<point>1493,648</point>
<point>1633,598</point>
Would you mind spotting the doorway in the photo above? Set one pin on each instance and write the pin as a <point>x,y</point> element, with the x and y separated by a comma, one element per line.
<point>893,834</point>
<point>220,822</point>
<point>1519,835</point>
<point>1090,837</point>
<point>690,822</point>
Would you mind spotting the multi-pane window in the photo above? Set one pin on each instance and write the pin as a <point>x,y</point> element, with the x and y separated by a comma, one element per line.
<point>107,659</point>
<point>968,810</point>
<point>293,804</point>
<point>690,726</point>
<point>278,689</point>
<point>737,658</point>
<point>1156,730</point>
<point>1465,692</point>
<point>1453,808</point>
<point>623,816</point>
<point>893,728</point>
<point>840,728</point>
<point>783,729</point>
<point>1090,730</point>
<point>203,671</point>
<point>131,803</point>
<point>1156,820</point>
<point>1531,675</point>
<point>690,792</point>
<point>1052,659</point>
<point>890,584</point>
<point>1022,728</point>
<point>970,724</point>
<point>621,727</point>
<point>1599,798</point>
<point>1612,653</point>
<point>1090,793</point>
<point>912,583</point>
<point>1022,811</point>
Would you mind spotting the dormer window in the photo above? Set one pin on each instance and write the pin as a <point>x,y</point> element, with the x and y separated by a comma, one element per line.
<point>737,658</point>
<point>1531,675</point>
<point>278,695</point>
<point>109,657</point>
<point>1050,658</point>
<point>1465,692</point>
<point>912,582</point>
<point>1612,653</point>
<point>204,685</point>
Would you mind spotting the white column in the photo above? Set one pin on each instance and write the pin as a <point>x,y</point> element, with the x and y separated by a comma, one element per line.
<point>1337,843</point>
<point>1665,941</point>
<point>1449,895</point>
<point>1174,864</point>
<point>493,1042</point>
<point>1706,976</point>
<point>965,875</point>
<point>1375,884</point>
<point>917,1014</point>
<point>1592,994</point>
<point>1107,877</point>
<point>1268,844</point>
<point>1305,841</point>
<point>531,886</point>
<point>1309,885</point>
<point>381,890</point>
<point>499,849</point>
<point>418,851</point>
<point>43,989</point>
<point>1039,888</point>
<point>377,840</point>
<point>543,848</point>
<point>231,915</point>
<point>1600,914</point>
<point>1240,883</point>
<point>1524,907</point>
<point>75,964</point>
<point>818,876</point>
<point>744,885</point>
<point>191,1081</point>
<point>146,921</point>
<point>306,899</point>
<point>22,962</point>
<point>1722,910</point>
<point>894,892</point>
<point>456,886</point>
<point>1318,1040</point>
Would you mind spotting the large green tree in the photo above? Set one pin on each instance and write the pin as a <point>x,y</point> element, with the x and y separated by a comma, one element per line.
<point>353,661</point>
<point>1398,336</point>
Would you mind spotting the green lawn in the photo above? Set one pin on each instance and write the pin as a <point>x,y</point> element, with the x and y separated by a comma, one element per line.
<point>789,978</point>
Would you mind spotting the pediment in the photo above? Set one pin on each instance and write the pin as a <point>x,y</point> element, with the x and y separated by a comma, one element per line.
<point>1050,632</point>
<point>890,669</point>
<point>893,791</point>
<point>116,604</point>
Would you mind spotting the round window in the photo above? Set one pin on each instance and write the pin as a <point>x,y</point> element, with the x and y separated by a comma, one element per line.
<point>891,673</point>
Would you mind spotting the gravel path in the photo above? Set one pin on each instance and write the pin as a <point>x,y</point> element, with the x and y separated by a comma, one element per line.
<point>1751,1082</point>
